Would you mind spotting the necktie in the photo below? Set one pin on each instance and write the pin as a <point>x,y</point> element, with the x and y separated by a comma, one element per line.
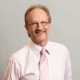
<point>44,73</point>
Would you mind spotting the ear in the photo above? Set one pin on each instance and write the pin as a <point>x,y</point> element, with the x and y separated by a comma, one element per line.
<point>49,24</point>
<point>26,27</point>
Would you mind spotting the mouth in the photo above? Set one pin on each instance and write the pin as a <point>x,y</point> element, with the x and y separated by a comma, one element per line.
<point>40,31</point>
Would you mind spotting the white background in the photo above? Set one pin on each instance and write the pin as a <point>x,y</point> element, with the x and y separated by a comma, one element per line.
<point>65,28</point>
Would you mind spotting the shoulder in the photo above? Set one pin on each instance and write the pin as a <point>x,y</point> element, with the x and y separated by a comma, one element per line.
<point>20,54</point>
<point>58,46</point>
<point>59,50</point>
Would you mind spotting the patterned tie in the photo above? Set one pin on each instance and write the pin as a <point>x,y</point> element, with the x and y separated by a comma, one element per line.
<point>44,72</point>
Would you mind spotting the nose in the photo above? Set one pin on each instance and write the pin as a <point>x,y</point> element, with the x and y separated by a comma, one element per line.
<point>39,26</point>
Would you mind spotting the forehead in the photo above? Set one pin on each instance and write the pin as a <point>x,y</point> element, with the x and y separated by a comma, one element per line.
<point>37,14</point>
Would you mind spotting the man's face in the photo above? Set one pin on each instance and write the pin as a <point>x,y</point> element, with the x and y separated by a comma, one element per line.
<point>38,26</point>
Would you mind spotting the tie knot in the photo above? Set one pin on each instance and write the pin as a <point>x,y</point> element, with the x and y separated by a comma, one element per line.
<point>42,51</point>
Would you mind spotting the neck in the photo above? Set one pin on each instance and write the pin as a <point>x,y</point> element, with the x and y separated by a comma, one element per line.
<point>41,43</point>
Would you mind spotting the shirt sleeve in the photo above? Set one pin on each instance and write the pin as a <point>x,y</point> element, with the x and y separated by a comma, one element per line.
<point>12,71</point>
<point>68,71</point>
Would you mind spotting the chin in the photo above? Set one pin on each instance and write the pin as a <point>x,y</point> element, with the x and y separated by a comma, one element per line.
<point>40,39</point>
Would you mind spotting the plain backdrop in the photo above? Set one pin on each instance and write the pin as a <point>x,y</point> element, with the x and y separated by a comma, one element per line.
<point>65,28</point>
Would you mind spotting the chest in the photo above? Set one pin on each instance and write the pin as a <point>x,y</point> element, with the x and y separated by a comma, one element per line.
<point>57,64</point>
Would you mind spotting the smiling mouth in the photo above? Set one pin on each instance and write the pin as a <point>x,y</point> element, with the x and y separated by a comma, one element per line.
<point>40,31</point>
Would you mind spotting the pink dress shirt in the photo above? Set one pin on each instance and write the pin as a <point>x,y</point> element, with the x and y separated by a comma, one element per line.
<point>23,64</point>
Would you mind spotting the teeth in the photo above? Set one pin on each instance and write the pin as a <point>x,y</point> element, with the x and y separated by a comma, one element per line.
<point>41,31</point>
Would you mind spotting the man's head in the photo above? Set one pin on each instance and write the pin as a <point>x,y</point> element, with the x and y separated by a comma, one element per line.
<point>37,23</point>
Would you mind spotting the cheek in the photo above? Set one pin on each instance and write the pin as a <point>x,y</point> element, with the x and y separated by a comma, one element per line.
<point>31,30</point>
<point>47,29</point>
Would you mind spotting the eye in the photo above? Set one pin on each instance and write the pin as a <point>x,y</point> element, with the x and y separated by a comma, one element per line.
<point>44,23</point>
<point>33,24</point>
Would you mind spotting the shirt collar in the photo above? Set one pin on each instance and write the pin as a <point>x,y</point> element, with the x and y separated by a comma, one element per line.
<point>36,48</point>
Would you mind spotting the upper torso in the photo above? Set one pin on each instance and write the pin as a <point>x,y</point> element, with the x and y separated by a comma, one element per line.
<point>26,61</point>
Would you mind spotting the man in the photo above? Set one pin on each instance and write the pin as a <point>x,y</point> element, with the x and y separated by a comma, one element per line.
<point>41,59</point>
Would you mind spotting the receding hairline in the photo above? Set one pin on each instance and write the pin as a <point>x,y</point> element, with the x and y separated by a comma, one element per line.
<point>44,8</point>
